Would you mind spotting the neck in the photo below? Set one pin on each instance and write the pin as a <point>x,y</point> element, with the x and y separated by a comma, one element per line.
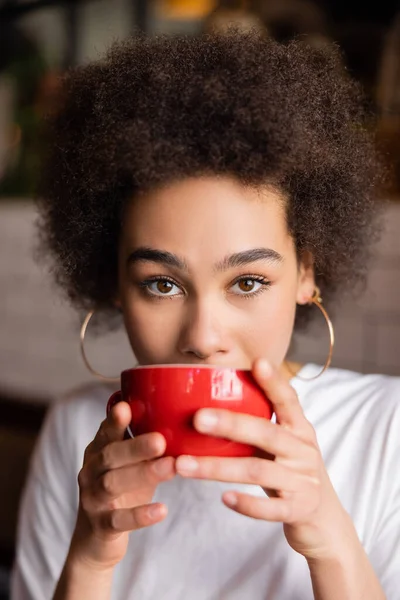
<point>290,369</point>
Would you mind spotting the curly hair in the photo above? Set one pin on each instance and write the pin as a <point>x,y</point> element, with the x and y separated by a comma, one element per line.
<point>159,109</point>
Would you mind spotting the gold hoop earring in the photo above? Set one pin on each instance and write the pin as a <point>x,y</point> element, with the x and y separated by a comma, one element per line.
<point>317,300</point>
<point>83,353</point>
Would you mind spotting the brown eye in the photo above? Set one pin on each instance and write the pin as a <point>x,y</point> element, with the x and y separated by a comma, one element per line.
<point>246,285</point>
<point>164,286</point>
<point>161,287</point>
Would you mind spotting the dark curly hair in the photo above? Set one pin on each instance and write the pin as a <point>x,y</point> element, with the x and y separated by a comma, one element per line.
<point>236,104</point>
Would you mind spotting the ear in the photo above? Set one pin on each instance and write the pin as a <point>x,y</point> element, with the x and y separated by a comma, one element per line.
<point>306,278</point>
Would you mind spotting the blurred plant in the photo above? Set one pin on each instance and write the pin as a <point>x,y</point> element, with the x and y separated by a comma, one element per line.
<point>22,68</point>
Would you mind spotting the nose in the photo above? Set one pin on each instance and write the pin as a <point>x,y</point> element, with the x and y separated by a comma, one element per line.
<point>202,334</point>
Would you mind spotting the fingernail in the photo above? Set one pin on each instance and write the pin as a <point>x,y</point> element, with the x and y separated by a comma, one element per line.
<point>230,498</point>
<point>154,511</point>
<point>187,464</point>
<point>206,420</point>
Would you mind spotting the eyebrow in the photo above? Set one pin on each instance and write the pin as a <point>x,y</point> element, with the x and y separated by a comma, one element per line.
<point>239,259</point>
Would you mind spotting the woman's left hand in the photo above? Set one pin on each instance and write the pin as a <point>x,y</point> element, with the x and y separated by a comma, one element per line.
<point>290,469</point>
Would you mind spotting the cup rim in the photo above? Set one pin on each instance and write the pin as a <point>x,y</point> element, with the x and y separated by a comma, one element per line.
<point>185,366</point>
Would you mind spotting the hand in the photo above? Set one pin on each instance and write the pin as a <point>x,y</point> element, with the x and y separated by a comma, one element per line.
<point>289,468</point>
<point>116,484</point>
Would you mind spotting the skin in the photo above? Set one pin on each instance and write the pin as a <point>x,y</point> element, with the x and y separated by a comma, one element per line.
<point>209,318</point>
<point>193,305</point>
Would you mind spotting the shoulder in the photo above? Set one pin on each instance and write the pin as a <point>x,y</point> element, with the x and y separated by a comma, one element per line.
<point>357,421</point>
<point>81,410</point>
<point>70,424</point>
<point>375,394</point>
<point>353,411</point>
<point>84,402</point>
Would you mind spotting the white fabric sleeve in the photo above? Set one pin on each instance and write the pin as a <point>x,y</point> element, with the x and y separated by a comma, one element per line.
<point>48,509</point>
<point>385,557</point>
<point>385,554</point>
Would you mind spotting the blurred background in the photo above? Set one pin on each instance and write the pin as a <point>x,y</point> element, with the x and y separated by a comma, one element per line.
<point>39,333</point>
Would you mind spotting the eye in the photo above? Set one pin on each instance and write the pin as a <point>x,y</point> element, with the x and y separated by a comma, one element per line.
<point>249,286</point>
<point>161,287</point>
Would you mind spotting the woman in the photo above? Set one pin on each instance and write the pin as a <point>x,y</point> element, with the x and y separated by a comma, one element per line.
<point>207,188</point>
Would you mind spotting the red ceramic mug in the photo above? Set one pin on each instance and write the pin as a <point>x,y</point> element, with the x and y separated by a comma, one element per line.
<point>164,398</point>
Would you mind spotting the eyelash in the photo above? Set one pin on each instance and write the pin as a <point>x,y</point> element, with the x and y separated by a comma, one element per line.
<point>144,285</point>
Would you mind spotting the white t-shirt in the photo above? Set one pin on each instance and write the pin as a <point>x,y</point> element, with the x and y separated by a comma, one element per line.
<point>203,550</point>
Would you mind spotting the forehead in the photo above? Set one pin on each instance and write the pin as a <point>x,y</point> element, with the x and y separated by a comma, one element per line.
<point>211,216</point>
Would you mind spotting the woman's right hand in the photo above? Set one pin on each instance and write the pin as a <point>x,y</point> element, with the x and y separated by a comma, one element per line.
<point>116,484</point>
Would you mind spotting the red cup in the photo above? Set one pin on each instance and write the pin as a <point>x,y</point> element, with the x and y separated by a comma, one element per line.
<point>164,398</point>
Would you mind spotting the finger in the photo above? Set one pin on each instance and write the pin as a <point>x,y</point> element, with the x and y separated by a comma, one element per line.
<point>128,452</point>
<point>258,432</point>
<point>254,471</point>
<point>112,429</point>
<point>130,519</point>
<point>113,484</point>
<point>266,509</point>
<point>283,397</point>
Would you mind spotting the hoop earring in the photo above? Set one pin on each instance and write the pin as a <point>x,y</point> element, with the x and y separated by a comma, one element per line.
<point>83,353</point>
<point>317,300</point>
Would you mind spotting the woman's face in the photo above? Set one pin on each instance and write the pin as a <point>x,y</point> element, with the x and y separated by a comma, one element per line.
<point>208,274</point>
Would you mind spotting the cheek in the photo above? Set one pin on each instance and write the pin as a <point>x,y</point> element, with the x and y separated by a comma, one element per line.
<point>151,335</point>
<point>269,330</point>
